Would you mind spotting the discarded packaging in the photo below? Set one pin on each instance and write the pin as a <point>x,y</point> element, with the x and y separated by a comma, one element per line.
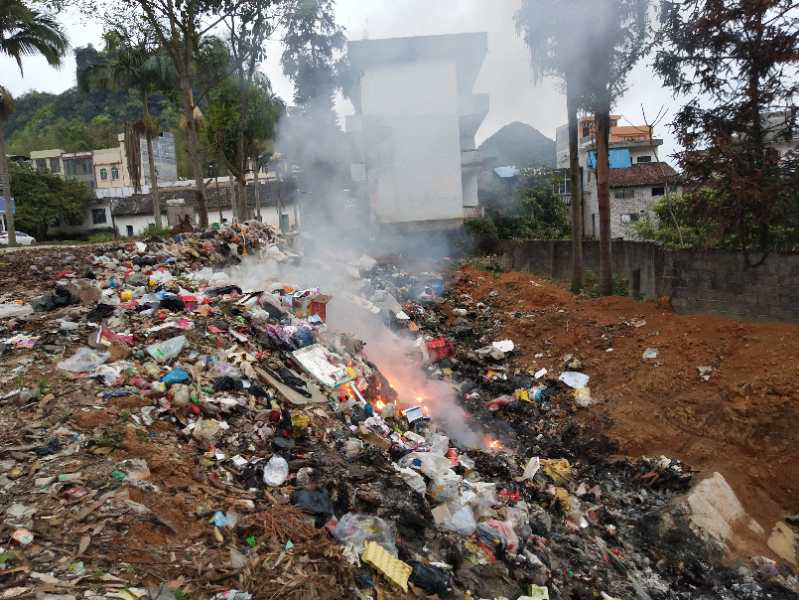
<point>276,471</point>
<point>574,379</point>
<point>395,570</point>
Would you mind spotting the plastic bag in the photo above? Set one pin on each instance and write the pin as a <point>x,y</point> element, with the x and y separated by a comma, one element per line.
<point>84,360</point>
<point>168,349</point>
<point>432,465</point>
<point>356,529</point>
<point>413,479</point>
<point>498,535</point>
<point>574,379</point>
<point>439,443</point>
<point>276,471</point>
<point>461,521</point>
<point>445,488</point>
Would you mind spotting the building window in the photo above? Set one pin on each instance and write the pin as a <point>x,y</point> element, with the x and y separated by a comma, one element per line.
<point>104,174</point>
<point>98,216</point>
<point>624,194</point>
<point>114,173</point>
<point>644,159</point>
<point>41,165</point>
<point>129,230</point>
<point>55,165</point>
<point>86,167</point>
<point>658,191</point>
<point>628,218</point>
<point>562,185</point>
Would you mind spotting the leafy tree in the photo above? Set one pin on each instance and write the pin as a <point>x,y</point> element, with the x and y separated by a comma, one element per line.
<point>248,32</point>
<point>615,41</point>
<point>44,200</point>
<point>313,58</point>
<point>737,62</point>
<point>23,32</point>
<point>536,212</point>
<point>131,61</point>
<point>549,29</point>
<point>239,138</point>
<point>180,28</point>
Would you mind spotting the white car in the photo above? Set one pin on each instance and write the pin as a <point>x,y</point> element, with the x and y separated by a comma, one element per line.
<point>23,239</point>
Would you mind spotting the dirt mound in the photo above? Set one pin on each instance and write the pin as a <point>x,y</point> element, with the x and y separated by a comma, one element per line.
<point>741,421</point>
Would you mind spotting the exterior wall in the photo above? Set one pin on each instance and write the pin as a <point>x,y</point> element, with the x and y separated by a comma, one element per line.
<point>79,166</point>
<point>562,147</point>
<point>140,223</point>
<point>636,151</point>
<point>411,129</point>
<point>166,165</point>
<point>88,224</point>
<point>642,203</point>
<point>47,156</point>
<point>622,209</point>
<point>470,179</point>
<point>108,158</point>
<point>695,281</point>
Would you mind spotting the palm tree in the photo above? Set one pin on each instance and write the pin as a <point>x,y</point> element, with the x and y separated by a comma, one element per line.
<point>23,32</point>
<point>131,61</point>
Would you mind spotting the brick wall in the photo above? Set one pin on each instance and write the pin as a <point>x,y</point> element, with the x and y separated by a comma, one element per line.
<point>696,281</point>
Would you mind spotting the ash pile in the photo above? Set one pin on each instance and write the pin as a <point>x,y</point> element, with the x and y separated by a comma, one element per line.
<point>192,418</point>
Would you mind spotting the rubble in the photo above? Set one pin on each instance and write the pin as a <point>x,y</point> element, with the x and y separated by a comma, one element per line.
<point>189,422</point>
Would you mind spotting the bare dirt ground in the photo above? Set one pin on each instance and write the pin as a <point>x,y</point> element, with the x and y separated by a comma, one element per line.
<point>742,422</point>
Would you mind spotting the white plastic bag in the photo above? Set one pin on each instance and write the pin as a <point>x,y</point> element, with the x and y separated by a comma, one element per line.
<point>276,471</point>
<point>84,360</point>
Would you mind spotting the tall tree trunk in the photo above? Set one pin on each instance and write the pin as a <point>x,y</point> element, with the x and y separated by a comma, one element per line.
<point>602,118</point>
<point>154,194</point>
<point>5,187</point>
<point>576,189</point>
<point>192,144</point>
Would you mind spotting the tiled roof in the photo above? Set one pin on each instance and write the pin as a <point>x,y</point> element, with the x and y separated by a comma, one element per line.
<point>656,173</point>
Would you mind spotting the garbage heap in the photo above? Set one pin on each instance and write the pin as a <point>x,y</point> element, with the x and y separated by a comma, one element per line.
<point>172,432</point>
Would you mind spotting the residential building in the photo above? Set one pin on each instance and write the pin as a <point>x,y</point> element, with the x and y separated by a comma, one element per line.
<point>47,160</point>
<point>637,179</point>
<point>783,136</point>
<point>133,215</point>
<point>78,165</point>
<point>111,168</point>
<point>415,125</point>
<point>166,164</point>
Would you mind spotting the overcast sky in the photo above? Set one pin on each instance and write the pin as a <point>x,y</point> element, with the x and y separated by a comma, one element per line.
<point>505,75</point>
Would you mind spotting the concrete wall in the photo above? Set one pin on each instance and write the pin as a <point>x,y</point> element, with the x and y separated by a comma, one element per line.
<point>413,149</point>
<point>696,281</point>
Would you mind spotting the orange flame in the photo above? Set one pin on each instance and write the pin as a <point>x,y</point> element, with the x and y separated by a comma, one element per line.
<point>493,444</point>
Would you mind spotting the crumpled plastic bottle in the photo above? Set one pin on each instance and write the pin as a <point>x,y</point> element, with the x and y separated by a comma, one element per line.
<point>276,471</point>
<point>168,349</point>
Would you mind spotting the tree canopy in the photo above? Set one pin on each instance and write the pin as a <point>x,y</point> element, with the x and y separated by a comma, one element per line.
<point>737,62</point>
<point>45,200</point>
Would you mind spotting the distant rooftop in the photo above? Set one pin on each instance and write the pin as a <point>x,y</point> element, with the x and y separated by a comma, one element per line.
<point>507,172</point>
<point>640,174</point>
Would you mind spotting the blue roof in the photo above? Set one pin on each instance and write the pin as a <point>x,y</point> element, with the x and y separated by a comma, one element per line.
<point>507,172</point>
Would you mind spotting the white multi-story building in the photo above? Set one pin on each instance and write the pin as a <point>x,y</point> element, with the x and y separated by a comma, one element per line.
<point>415,125</point>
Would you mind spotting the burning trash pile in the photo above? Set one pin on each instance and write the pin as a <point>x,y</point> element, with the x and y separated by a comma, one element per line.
<point>186,418</point>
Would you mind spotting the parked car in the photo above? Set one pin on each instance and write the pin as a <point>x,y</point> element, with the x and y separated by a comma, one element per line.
<point>23,239</point>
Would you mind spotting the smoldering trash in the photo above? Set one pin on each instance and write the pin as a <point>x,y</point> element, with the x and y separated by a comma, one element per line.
<point>262,424</point>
